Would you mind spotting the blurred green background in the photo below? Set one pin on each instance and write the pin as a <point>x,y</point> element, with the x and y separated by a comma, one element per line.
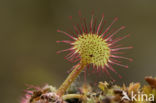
<point>28,40</point>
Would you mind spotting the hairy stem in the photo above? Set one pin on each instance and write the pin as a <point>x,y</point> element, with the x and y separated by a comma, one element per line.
<point>71,77</point>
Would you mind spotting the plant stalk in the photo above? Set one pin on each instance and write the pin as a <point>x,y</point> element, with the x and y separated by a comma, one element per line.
<point>78,96</point>
<point>71,77</point>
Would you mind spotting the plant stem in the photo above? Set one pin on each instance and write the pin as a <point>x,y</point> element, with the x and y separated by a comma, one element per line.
<point>78,96</point>
<point>71,77</point>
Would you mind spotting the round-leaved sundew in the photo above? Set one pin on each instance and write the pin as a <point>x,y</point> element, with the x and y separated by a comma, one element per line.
<point>93,45</point>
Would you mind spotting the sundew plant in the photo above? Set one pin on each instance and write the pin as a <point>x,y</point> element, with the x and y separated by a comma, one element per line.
<point>93,45</point>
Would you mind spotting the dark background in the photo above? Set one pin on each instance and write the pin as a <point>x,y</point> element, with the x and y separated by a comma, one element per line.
<point>28,40</point>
